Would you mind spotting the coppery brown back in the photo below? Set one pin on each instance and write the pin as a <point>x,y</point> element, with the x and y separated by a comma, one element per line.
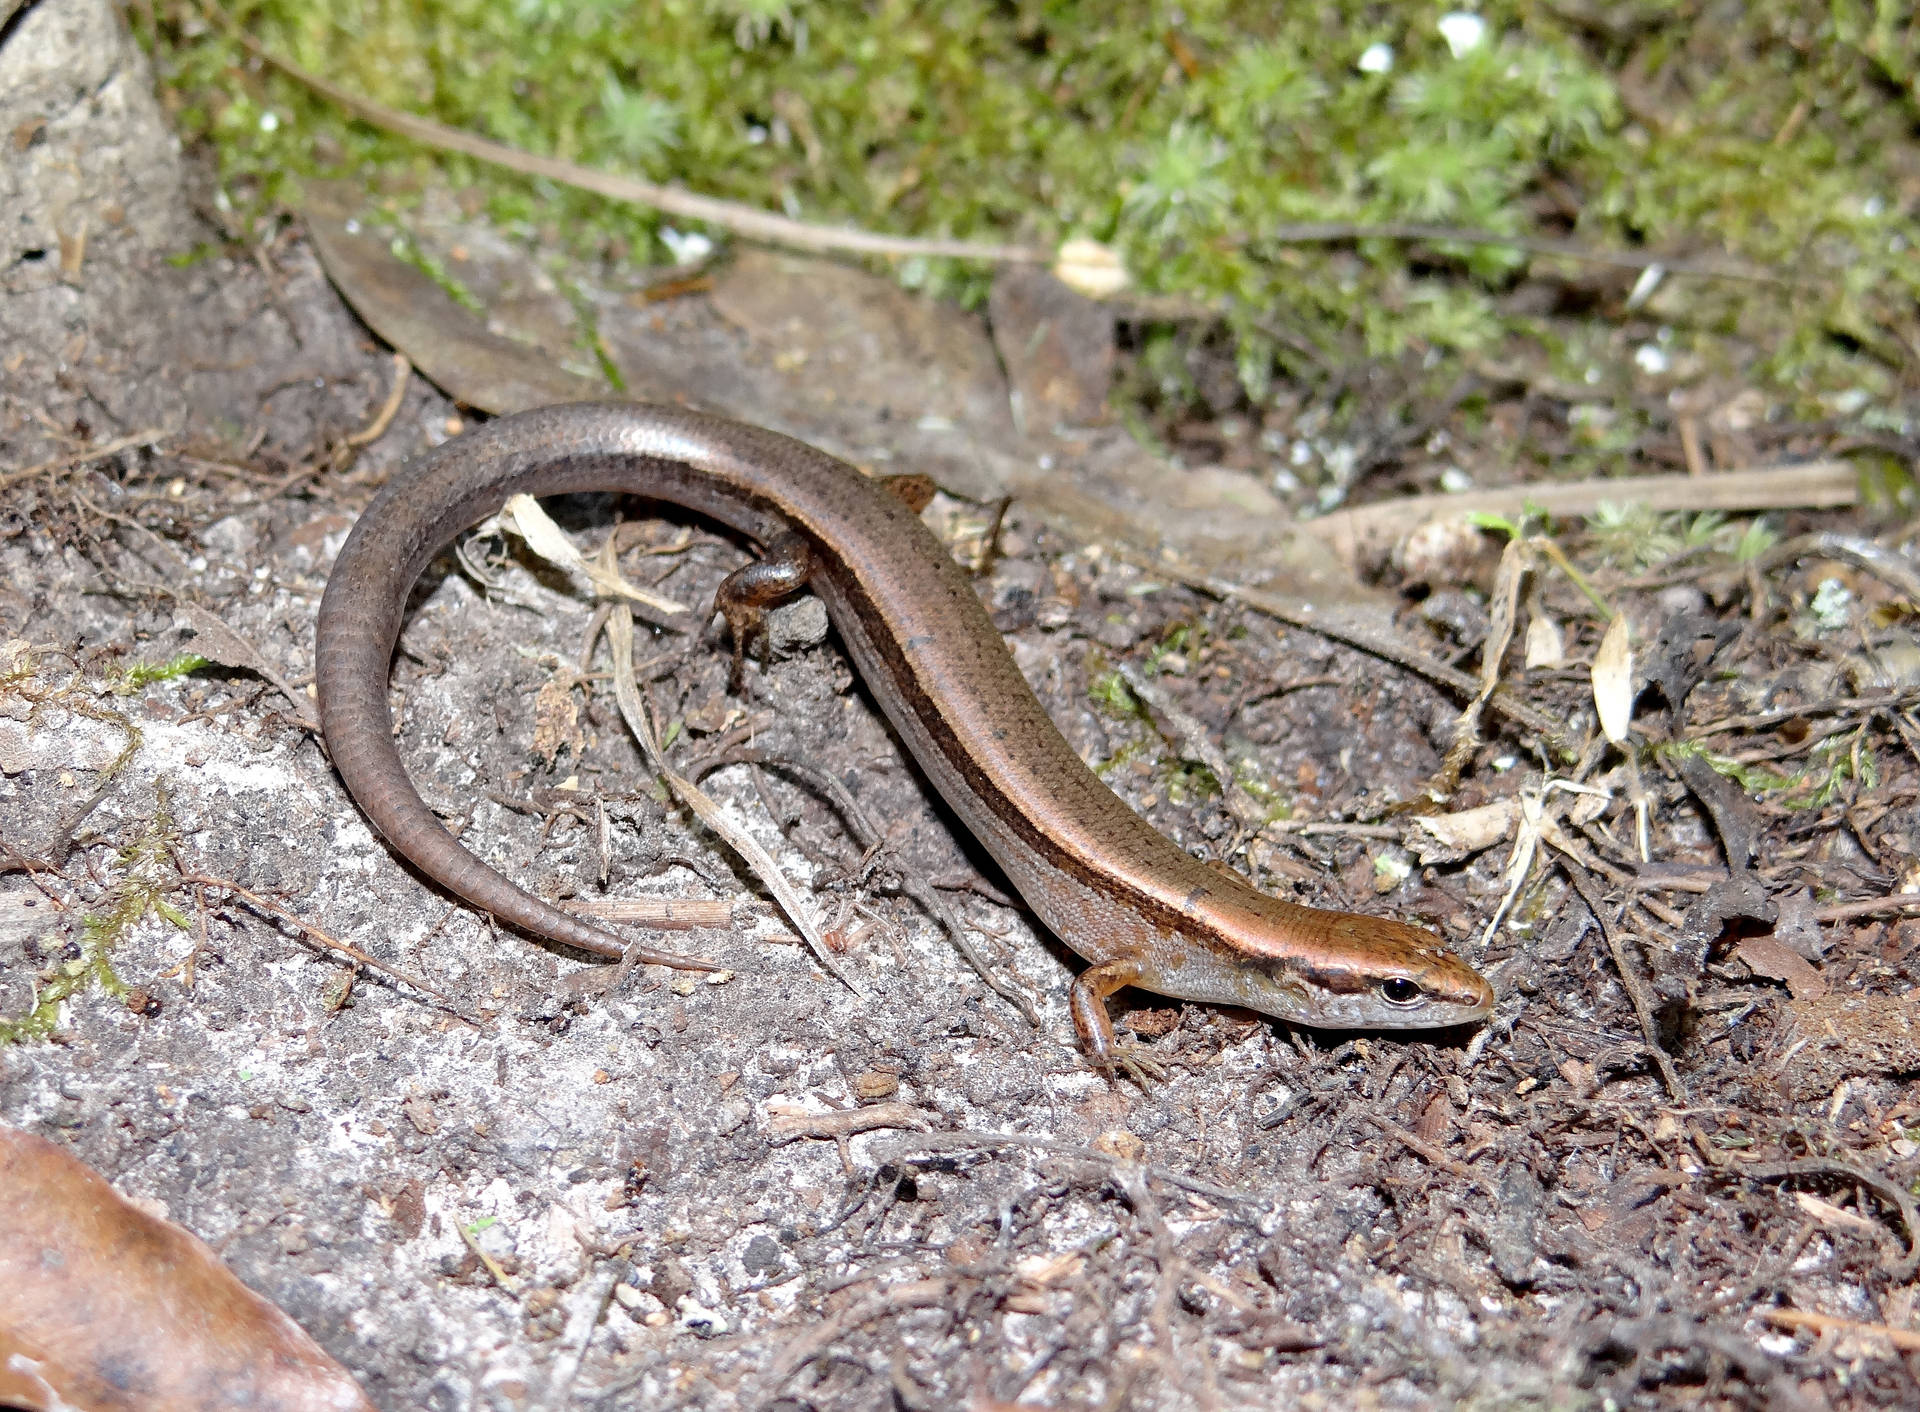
<point>1106,882</point>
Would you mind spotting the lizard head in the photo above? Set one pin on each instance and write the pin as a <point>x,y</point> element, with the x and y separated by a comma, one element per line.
<point>1338,970</point>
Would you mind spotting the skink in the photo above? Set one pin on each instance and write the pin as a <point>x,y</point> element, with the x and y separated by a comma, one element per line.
<point>1137,907</point>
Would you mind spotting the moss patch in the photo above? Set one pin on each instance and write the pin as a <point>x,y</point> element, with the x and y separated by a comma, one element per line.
<point>145,875</point>
<point>1191,137</point>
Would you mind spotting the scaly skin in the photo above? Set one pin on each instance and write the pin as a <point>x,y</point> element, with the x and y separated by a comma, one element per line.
<point>1123,896</point>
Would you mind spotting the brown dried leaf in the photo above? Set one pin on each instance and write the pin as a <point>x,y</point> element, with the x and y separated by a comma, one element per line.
<point>556,718</point>
<point>1774,959</point>
<point>105,1307</point>
<point>1462,834</point>
<point>217,642</point>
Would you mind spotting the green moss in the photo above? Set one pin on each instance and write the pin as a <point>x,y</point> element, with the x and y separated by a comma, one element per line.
<point>1186,135</point>
<point>130,679</point>
<point>406,249</point>
<point>1108,691</point>
<point>187,259</point>
<point>144,871</point>
<point>1832,764</point>
<point>1187,781</point>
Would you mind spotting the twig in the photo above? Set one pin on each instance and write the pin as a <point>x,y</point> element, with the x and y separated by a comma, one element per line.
<point>1866,907</point>
<point>81,458</point>
<point>1337,621</point>
<point>620,637</point>
<point>1906,1340</point>
<point>60,846</point>
<point>1333,828</point>
<point>1415,1143</point>
<point>742,220</point>
<point>589,1306</point>
<point>321,939</point>
<point>916,1294</point>
<point>667,913</point>
<point>200,938</point>
<point>377,428</point>
<point>1589,891</point>
<point>1132,1181</point>
<point>1196,744</point>
<point>1841,706</point>
<point>1893,569</point>
<point>786,1126</point>
<point>970,1141</point>
<point>500,1276</point>
<point>1892,1193</point>
<point>1815,484</point>
<point>868,836</point>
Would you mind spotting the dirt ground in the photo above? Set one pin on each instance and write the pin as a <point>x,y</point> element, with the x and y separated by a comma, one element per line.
<point>1674,1168</point>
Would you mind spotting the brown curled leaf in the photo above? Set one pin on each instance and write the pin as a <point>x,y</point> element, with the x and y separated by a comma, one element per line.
<point>106,1307</point>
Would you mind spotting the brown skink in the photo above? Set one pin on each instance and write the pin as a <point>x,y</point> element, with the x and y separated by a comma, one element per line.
<point>1136,906</point>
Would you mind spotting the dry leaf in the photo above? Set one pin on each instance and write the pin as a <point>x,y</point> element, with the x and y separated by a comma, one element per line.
<point>522,513</point>
<point>1546,644</point>
<point>217,642</point>
<point>556,718</point>
<point>1827,1214</point>
<point>1774,959</point>
<point>1465,832</point>
<point>107,1308</point>
<point>1613,680</point>
<point>1515,562</point>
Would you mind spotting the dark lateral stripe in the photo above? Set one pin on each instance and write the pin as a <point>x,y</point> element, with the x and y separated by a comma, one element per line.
<point>1033,833</point>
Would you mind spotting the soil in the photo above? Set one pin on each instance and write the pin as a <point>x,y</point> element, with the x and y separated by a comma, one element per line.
<point>1695,1103</point>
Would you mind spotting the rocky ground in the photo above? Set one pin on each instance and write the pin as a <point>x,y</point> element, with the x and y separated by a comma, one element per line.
<point>1693,1107</point>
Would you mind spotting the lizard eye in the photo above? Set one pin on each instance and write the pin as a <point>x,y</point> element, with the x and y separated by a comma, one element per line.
<point>1398,990</point>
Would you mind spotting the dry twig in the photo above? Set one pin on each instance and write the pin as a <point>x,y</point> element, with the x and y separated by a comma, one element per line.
<point>742,220</point>
<point>915,1294</point>
<point>1433,1154</point>
<point>1342,624</point>
<point>869,837</point>
<point>322,940</point>
<point>1892,1193</point>
<point>83,458</point>
<point>620,636</point>
<point>787,1126</point>
<point>1589,891</point>
<point>1815,485</point>
<point>1906,1340</point>
<point>382,419</point>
